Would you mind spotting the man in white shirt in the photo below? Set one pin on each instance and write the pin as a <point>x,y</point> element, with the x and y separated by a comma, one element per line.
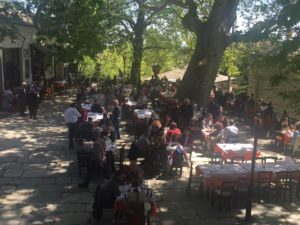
<point>230,131</point>
<point>71,116</point>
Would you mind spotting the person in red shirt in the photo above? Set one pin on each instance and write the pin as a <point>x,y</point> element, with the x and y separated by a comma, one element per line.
<point>173,133</point>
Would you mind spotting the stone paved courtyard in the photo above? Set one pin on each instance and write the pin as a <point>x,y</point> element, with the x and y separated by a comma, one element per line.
<point>39,177</point>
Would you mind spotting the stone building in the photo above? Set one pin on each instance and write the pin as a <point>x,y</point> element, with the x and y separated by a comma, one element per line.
<point>22,58</point>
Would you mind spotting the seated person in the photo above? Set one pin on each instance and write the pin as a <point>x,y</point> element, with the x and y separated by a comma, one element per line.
<point>106,194</point>
<point>96,107</point>
<point>154,124</point>
<point>284,119</point>
<point>287,134</point>
<point>192,132</point>
<point>173,134</point>
<point>110,147</point>
<point>222,119</point>
<point>83,113</point>
<point>105,123</point>
<point>230,131</point>
<point>207,123</point>
<point>133,172</point>
<point>143,143</point>
<point>86,130</point>
<point>215,136</point>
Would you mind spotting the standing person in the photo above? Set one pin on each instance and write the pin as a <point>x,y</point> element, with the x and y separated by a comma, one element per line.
<point>96,107</point>
<point>7,99</point>
<point>296,137</point>
<point>33,101</point>
<point>116,114</point>
<point>97,159</point>
<point>22,99</point>
<point>71,116</point>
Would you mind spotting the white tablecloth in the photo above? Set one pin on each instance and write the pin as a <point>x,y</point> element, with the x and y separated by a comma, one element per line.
<point>131,103</point>
<point>230,170</point>
<point>272,167</point>
<point>95,116</point>
<point>143,113</point>
<point>235,147</point>
<point>229,151</point>
<point>86,106</point>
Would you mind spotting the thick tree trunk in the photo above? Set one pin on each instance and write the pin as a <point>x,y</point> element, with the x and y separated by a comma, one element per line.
<point>138,48</point>
<point>202,71</point>
<point>212,40</point>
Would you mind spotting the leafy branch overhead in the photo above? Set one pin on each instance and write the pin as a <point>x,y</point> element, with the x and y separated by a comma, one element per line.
<point>173,32</point>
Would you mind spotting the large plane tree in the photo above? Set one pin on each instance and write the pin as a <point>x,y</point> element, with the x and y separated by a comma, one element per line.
<point>212,21</point>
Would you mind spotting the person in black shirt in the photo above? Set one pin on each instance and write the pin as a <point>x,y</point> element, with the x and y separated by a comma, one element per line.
<point>96,107</point>
<point>86,130</point>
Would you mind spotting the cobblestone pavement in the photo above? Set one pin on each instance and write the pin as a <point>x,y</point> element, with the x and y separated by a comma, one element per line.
<point>39,177</point>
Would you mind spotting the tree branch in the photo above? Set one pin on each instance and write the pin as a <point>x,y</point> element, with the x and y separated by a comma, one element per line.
<point>258,32</point>
<point>155,47</point>
<point>129,33</point>
<point>191,20</point>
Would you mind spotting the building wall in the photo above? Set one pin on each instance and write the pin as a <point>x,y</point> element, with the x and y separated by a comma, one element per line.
<point>260,86</point>
<point>1,72</point>
<point>25,37</point>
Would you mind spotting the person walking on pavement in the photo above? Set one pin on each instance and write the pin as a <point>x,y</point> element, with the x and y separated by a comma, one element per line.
<point>22,99</point>
<point>33,101</point>
<point>71,116</point>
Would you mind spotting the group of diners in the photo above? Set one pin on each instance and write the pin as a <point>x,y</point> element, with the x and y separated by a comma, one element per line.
<point>164,134</point>
<point>123,189</point>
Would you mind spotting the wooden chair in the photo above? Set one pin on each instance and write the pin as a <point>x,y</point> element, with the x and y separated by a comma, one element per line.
<point>237,160</point>
<point>262,183</point>
<point>135,211</point>
<point>225,193</point>
<point>241,190</point>
<point>260,159</point>
<point>197,145</point>
<point>216,159</point>
<point>281,184</point>
<point>177,163</point>
<point>294,179</point>
<point>270,159</point>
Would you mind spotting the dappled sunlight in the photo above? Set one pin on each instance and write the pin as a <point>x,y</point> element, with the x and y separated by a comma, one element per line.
<point>40,181</point>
